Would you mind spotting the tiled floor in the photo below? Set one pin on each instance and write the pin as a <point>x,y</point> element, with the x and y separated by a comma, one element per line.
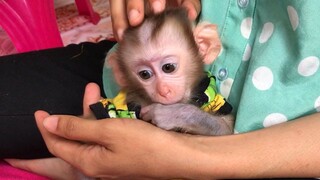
<point>73,28</point>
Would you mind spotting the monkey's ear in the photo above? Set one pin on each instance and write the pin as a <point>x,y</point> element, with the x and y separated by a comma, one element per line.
<point>114,65</point>
<point>207,39</point>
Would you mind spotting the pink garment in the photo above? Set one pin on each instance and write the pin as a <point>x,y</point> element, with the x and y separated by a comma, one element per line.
<point>8,172</point>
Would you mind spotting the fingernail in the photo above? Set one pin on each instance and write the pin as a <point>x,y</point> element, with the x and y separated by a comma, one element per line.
<point>51,123</point>
<point>157,6</point>
<point>133,14</point>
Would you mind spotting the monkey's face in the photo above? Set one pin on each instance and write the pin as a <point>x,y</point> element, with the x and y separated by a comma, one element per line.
<point>163,77</point>
<point>160,59</point>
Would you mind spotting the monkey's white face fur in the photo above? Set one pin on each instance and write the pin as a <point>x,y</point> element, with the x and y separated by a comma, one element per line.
<point>163,76</point>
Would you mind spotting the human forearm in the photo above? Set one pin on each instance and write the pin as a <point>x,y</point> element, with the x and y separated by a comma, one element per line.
<point>126,148</point>
<point>286,150</point>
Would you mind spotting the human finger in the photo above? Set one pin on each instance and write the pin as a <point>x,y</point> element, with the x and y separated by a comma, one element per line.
<point>135,11</point>
<point>118,17</point>
<point>72,127</point>
<point>65,140</point>
<point>49,138</point>
<point>44,167</point>
<point>91,96</point>
<point>193,7</point>
<point>47,125</point>
<point>157,6</point>
<point>40,116</point>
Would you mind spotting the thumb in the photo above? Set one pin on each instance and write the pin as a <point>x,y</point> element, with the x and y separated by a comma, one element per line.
<point>40,116</point>
<point>91,96</point>
<point>57,127</point>
<point>64,135</point>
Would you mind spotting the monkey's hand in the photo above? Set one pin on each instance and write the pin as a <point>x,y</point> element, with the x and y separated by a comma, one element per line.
<point>187,118</point>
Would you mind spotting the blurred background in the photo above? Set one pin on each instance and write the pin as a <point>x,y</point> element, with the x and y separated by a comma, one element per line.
<point>74,28</point>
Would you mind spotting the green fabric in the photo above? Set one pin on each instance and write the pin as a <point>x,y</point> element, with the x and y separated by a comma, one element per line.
<point>272,63</point>
<point>273,72</point>
<point>110,86</point>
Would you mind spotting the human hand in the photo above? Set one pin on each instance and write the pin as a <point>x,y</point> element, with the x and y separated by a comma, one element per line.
<point>131,12</point>
<point>56,168</point>
<point>116,148</point>
<point>53,168</point>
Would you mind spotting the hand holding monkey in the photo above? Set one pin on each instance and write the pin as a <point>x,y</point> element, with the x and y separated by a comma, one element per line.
<point>131,12</point>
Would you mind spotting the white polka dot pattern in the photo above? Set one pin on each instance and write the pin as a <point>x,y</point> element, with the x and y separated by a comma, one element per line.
<point>225,87</point>
<point>273,119</point>
<point>267,32</point>
<point>247,53</point>
<point>245,28</point>
<point>293,16</point>
<point>273,61</point>
<point>309,66</point>
<point>262,78</point>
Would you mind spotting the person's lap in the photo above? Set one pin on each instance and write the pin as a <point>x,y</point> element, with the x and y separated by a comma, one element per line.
<point>52,80</point>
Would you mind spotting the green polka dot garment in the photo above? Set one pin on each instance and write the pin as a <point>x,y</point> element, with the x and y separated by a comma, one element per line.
<point>269,65</point>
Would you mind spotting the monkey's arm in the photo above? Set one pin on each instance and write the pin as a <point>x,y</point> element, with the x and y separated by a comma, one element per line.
<point>187,118</point>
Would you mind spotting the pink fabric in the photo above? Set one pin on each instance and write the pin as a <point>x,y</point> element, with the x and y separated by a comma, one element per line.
<point>8,172</point>
<point>31,25</point>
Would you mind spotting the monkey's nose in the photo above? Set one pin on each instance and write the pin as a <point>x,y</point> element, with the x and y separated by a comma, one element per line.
<point>164,91</point>
<point>164,94</point>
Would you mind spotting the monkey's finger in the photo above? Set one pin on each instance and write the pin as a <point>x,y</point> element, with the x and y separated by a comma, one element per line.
<point>118,17</point>
<point>145,114</point>
<point>91,96</point>
<point>193,7</point>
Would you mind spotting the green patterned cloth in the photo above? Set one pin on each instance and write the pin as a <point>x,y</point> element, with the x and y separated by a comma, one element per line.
<point>269,66</point>
<point>271,51</point>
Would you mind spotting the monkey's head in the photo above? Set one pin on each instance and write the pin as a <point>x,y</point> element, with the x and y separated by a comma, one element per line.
<point>162,59</point>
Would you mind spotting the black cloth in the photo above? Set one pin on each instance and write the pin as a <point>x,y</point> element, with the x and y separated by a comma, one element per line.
<point>52,80</point>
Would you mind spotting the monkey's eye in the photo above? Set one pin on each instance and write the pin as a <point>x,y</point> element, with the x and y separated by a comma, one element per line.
<point>145,74</point>
<point>169,68</point>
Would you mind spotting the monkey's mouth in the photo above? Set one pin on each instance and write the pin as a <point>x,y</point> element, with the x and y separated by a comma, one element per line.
<point>167,100</point>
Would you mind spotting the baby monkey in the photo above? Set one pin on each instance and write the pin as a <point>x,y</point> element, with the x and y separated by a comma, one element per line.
<point>159,66</point>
